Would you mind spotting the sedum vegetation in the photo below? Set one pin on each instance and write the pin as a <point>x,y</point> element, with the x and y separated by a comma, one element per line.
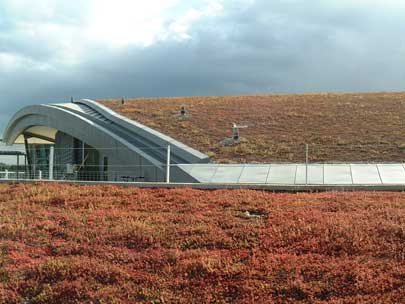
<point>105,244</point>
<point>337,127</point>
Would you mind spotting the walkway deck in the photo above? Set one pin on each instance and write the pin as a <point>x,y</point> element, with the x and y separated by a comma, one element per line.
<point>299,174</point>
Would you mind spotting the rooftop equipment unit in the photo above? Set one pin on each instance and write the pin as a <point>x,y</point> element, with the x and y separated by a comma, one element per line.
<point>183,111</point>
<point>235,135</point>
<point>236,132</point>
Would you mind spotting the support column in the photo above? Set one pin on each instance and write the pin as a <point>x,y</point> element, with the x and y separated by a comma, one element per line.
<point>25,166</point>
<point>82,153</point>
<point>28,156</point>
<point>168,165</point>
<point>18,166</point>
<point>51,161</point>
<point>306,163</point>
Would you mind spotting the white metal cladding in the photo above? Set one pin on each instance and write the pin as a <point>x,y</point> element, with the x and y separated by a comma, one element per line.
<point>189,154</point>
<point>125,146</point>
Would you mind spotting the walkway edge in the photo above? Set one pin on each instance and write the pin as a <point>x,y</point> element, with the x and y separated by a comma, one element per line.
<point>263,187</point>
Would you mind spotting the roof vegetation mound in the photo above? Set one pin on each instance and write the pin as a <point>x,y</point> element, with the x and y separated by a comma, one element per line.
<point>337,127</point>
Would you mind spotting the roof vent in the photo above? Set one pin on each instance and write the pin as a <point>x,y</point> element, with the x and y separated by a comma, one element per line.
<point>235,135</point>
<point>183,112</point>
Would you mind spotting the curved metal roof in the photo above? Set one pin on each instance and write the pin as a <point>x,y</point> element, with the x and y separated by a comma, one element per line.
<point>101,128</point>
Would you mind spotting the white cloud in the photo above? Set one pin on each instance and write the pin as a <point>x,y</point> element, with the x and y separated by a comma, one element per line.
<point>25,8</point>
<point>123,22</point>
<point>65,31</point>
<point>8,61</point>
<point>180,27</point>
<point>13,62</point>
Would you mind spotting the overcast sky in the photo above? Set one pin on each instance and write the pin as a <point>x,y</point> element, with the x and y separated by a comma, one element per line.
<point>53,49</point>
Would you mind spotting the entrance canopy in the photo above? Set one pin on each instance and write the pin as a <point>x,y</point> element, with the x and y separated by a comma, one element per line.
<point>38,135</point>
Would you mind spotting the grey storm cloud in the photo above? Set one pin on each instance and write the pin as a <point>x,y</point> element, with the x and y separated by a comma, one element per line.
<point>256,48</point>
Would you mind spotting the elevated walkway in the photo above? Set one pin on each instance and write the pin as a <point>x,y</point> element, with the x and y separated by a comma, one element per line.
<point>298,174</point>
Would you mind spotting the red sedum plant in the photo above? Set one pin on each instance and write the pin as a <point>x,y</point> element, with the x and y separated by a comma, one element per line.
<point>105,244</point>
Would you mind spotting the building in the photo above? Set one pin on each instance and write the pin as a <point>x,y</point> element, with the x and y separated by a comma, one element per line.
<point>84,140</point>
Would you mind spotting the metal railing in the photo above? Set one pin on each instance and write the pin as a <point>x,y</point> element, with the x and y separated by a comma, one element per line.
<point>6,175</point>
<point>304,154</point>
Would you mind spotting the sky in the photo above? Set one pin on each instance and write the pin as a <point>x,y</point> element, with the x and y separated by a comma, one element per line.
<point>51,50</point>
